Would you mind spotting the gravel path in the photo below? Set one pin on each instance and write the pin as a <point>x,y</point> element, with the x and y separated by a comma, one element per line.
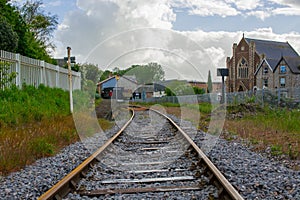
<point>255,176</point>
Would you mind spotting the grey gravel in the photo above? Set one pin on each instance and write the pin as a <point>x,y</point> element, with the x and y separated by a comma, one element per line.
<point>255,176</point>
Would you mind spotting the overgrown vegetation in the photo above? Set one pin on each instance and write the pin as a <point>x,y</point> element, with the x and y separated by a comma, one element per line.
<point>277,129</point>
<point>34,122</point>
<point>20,106</point>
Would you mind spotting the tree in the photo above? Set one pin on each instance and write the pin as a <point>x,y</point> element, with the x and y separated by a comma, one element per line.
<point>179,88</point>
<point>209,83</point>
<point>27,44</point>
<point>152,72</point>
<point>40,24</point>
<point>198,90</point>
<point>105,75</point>
<point>90,72</point>
<point>8,37</point>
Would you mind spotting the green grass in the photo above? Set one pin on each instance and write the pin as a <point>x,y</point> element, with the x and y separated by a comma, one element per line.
<point>19,106</point>
<point>279,119</point>
<point>34,123</point>
<point>276,128</point>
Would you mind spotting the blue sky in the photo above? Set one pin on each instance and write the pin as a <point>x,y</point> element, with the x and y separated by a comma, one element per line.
<point>187,36</point>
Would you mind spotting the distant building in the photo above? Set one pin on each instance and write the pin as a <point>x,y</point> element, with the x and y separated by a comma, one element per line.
<point>201,85</point>
<point>64,61</point>
<point>216,86</point>
<point>283,74</point>
<point>254,61</point>
<point>126,85</point>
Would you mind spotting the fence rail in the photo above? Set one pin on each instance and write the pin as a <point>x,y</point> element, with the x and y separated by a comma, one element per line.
<point>35,72</point>
<point>283,97</point>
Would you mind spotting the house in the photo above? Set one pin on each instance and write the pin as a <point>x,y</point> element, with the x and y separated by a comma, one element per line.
<point>126,86</point>
<point>283,74</point>
<point>250,56</point>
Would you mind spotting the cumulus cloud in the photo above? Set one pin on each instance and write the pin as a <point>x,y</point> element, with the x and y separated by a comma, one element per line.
<point>208,8</point>
<point>118,33</point>
<point>245,5</point>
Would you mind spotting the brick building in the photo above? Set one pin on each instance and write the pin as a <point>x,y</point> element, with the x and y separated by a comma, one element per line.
<point>250,55</point>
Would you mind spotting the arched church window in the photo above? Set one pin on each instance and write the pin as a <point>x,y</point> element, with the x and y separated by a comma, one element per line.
<point>243,68</point>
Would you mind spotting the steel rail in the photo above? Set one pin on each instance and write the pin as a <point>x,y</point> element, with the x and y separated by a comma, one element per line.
<point>231,191</point>
<point>65,185</point>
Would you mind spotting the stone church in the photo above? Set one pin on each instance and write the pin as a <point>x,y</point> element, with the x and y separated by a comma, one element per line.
<point>247,57</point>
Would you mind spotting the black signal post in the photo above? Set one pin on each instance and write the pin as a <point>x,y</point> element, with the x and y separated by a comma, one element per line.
<point>223,72</point>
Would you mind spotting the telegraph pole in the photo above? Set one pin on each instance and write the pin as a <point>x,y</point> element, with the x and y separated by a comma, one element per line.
<point>70,79</point>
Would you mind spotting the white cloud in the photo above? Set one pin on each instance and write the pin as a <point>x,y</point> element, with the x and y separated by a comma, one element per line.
<point>260,14</point>
<point>245,5</point>
<point>287,11</point>
<point>112,32</point>
<point>208,8</point>
<point>289,3</point>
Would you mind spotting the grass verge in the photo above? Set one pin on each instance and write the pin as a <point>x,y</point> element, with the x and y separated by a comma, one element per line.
<point>276,129</point>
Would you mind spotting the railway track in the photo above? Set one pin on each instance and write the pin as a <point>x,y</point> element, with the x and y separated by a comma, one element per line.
<point>150,154</point>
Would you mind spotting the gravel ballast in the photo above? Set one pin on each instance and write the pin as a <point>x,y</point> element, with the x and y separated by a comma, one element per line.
<point>255,176</point>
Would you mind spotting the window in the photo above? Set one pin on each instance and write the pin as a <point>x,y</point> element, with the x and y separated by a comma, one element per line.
<point>265,82</point>
<point>265,70</point>
<point>282,69</point>
<point>282,82</point>
<point>243,68</point>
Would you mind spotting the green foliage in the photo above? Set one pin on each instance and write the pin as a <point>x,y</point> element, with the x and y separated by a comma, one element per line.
<point>90,72</point>
<point>280,119</point>
<point>204,108</point>
<point>82,100</point>
<point>8,37</point>
<point>27,44</point>
<point>28,104</point>
<point>150,73</point>
<point>41,147</point>
<point>276,150</point>
<point>250,99</point>
<point>179,88</point>
<point>40,24</point>
<point>198,90</point>
<point>6,76</point>
<point>105,75</point>
<point>209,83</point>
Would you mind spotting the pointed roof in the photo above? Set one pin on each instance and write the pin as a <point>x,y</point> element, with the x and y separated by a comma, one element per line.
<point>293,63</point>
<point>273,49</point>
<point>129,78</point>
<point>272,63</point>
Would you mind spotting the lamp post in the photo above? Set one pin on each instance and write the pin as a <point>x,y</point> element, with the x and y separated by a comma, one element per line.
<point>70,79</point>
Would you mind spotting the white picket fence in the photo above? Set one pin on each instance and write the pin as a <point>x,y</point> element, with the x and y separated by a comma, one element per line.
<point>35,72</point>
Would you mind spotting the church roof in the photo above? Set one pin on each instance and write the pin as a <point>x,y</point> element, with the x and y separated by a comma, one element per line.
<point>273,49</point>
